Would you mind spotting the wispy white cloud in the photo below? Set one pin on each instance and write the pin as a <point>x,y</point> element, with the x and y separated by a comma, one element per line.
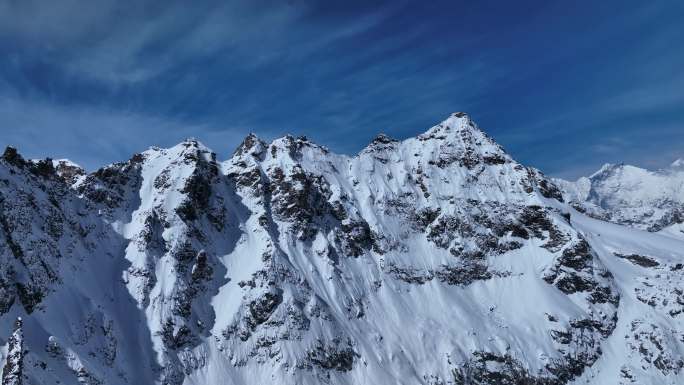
<point>93,137</point>
<point>122,43</point>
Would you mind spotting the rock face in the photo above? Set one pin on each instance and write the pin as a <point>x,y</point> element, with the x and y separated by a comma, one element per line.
<point>434,260</point>
<point>12,372</point>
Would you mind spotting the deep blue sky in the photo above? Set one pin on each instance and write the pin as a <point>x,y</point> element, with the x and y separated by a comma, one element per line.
<point>565,86</point>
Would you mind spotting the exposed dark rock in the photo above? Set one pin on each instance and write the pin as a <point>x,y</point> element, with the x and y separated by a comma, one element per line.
<point>409,274</point>
<point>198,191</point>
<point>464,274</point>
<point>175,337</point>
<point>577,257</point>
<point>261,308</point>
<point>443,231</point>
<point>580,346</point>
<point>299,198</point>
<point>536,219</point>
<point>249,178</point>
<point>424,217</point>
<point>549,190</point>
<point>494,159</point>
<point>655,347</point>
<point>383,139</point>
<point>109,185</point>
<point>251,145</point>
<point>381,147</point>
<point>486,368</point>
<point>201,269</point>
<point>640,260</point>
<point>42,168</point>
<point>30,296</point>
<point>354,237</point>
<point>332,356</point>
<point>13,370</point>
<point>666,293</point>
<point>537,180</point>
<point>12,156</point>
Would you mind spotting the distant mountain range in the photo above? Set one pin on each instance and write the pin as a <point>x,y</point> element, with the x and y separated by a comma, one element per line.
<point>434,260</point>
<point>632,196</point>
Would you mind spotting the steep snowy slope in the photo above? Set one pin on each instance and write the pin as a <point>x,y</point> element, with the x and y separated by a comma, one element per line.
<point>434,260</point>
<point>647,346</point>
<point>60,271</point>
<point>632,196</point>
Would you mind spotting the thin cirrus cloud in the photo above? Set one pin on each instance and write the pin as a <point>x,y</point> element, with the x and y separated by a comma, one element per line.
<point>564,87</point>
<point>115,42</point>
<point>94,135</point>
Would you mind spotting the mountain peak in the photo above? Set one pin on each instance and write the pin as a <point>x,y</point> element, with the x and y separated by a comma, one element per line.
<point>678,164</point>
<point>459,120</point>
<point>460,114</point>
<point>458,128</point>
<point>252,144</point>
<point>296,147</point>
<point>458,134</point>
<point>193,143</point>
<point>606,170</point>
<point>190,150</point>
<point>381,142</point>
<point>12,156</point>
<point>382,138</point>
<point>455,122</point>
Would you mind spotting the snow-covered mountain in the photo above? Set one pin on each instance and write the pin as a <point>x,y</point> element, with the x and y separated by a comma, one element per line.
<point>434,260</point>
<point>632,196</point>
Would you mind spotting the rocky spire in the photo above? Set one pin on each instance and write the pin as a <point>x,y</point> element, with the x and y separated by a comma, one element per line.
<point>12,156</point>
<point>12,373</point>
<point>251,145</point>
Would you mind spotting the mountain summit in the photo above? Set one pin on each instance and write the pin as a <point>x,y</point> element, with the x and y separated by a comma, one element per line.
<point>438,259</point>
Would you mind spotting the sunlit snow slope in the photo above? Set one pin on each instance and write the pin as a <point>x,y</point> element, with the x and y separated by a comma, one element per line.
<point>434,260</point>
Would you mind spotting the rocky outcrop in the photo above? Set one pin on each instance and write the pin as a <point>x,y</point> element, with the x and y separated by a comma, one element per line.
<point>657,348</point>
<point>13,370</point>
<point>488,368</point>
